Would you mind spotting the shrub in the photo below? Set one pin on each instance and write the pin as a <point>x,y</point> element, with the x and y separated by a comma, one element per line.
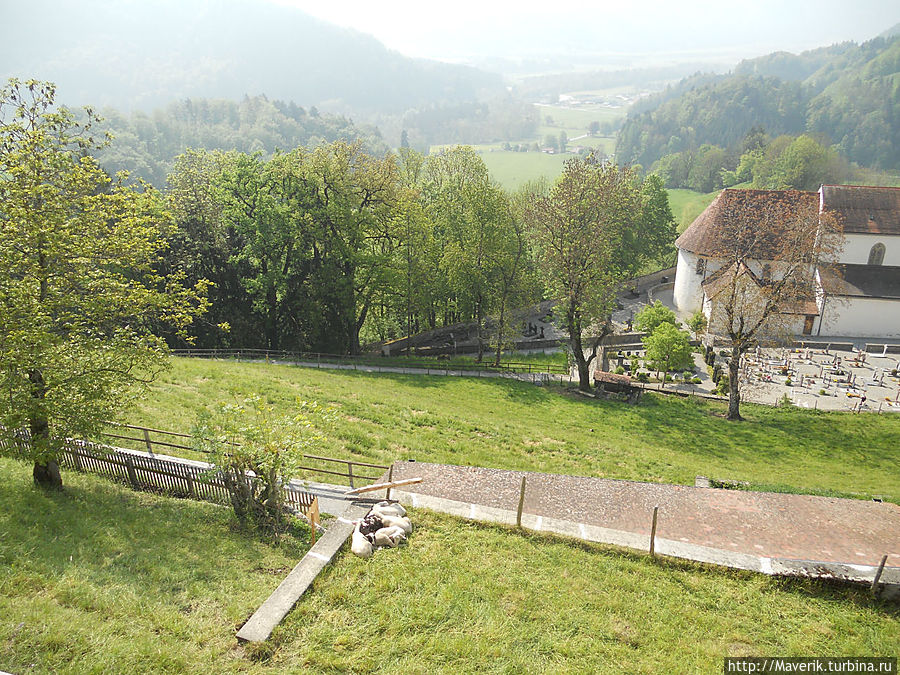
<point>250,437</point>
<point>620,370</point>
<point>821,392</point>
<point>696,380</point>
<point>643,377</point>
<point>788,383</point>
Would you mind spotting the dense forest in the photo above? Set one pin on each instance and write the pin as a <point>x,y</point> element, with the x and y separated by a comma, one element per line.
<point>146,145</point>
<point>847,95</point>
<point>330,248</point>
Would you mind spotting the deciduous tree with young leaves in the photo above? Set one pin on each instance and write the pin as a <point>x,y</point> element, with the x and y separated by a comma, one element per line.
<point>80,294</point>
<point>580,232</point>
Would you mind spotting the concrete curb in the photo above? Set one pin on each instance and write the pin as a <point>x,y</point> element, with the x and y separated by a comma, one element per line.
<point>890,579</point>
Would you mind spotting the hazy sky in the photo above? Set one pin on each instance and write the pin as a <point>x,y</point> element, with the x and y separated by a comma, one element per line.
<point>463,28</point>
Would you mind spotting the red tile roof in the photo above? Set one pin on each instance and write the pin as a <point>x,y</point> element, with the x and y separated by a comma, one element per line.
<point>761,214</point>
<point>863,209</point>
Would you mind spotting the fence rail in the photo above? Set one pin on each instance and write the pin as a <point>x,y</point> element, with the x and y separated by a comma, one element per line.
<point>368,360</point>
<point>173,477</point>
<point>148,438</point>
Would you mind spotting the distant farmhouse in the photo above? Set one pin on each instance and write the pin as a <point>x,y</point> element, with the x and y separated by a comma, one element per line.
<point>859,296</point>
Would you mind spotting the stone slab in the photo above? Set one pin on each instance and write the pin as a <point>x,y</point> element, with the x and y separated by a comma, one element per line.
<point>260,626</point>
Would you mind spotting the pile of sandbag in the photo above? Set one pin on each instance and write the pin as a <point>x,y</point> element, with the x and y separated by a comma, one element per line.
<point>385,525</point>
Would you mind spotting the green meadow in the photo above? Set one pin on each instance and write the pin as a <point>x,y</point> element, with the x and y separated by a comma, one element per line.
<point>508,424</point>
<point>99,579</point>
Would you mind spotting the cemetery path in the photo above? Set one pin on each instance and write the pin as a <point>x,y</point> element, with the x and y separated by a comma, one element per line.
<point>761,524</point>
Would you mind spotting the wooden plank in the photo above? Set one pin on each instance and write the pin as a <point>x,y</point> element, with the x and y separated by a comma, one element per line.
<point>384,486</point>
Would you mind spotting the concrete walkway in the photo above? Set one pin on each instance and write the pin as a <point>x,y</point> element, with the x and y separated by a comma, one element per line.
<point>763,532</point>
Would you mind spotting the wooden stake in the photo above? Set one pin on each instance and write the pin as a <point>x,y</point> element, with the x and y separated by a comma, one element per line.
<point>387,495</point>
<point>878,575</point>
<point>653,531</point>
<point>382,486</point>
<point>313,519</point>
<point>521,504</point>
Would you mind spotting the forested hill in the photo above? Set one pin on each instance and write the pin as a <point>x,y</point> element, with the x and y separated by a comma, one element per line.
<point>146,145</point>
<point>131,54</point>
<point>848,93</point>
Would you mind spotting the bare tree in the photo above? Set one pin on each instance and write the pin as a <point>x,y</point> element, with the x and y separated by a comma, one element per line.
<point>769,245</point>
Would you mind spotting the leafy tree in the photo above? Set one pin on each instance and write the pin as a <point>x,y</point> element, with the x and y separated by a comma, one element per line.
<point>654,315</point>
<point>478,233</point>
<point>578,230</point>
<point>80,294</point>
<point>667,348</point>
<point>563,141</point>
<point>698,322</point>
<point>593,128</point>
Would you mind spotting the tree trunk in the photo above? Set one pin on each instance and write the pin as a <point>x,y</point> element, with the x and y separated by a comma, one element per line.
<point>500,327</point>
<point>46,475</point>
<point>46,471</point>
<point>734,394</point>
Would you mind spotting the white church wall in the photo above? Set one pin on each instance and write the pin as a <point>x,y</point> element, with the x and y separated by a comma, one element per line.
<point>687,293</point>
<point>858,246</point>
<point>855,317</point>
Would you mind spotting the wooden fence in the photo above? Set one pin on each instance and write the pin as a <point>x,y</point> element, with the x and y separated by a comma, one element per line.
<point>170,476</point>
<point>367,360</point>
<point>147,437</point>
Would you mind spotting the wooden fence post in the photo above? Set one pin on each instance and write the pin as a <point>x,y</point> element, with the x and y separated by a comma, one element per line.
<point>878,575</point>
<point>350,473</point>
<point>132,476</point>
<point>653,531</point>
<point>147,441</point>
<point>390,480</point>
<point>313,519</point>
<point>521,504</point>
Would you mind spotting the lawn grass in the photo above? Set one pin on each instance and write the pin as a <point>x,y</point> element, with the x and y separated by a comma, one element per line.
<point>514,169</point>
<point>101,579</point>
<point>98,578</point>
<point>513,425</point>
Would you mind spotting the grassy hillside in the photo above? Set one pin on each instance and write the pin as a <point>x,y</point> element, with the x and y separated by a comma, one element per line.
<point>513,425</point>
<point>101,579</point>
<point>686,205</point>
<point>514,169</point>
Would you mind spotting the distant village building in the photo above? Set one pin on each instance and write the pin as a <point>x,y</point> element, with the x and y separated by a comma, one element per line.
<point>859,296</point>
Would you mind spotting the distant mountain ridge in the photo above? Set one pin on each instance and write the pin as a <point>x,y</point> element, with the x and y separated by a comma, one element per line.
<point>848,92</point>
<point>139,55</point>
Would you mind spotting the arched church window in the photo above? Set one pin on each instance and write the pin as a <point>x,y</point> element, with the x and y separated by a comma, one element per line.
<point>876,255</point>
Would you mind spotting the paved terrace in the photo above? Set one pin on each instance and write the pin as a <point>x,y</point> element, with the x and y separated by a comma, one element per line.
<point>761,531</point>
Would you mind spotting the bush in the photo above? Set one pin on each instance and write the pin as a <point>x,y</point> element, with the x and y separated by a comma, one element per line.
<point>620,370</point>
<point>687,375</point>
<point>696,380</point>
<point>722,386</point>
<point>788,382</point>
<point>250,437</point>
<point>821,392</point>
<point>643,377</point>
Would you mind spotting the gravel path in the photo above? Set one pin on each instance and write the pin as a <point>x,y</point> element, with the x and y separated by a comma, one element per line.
<point>758,523</point>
